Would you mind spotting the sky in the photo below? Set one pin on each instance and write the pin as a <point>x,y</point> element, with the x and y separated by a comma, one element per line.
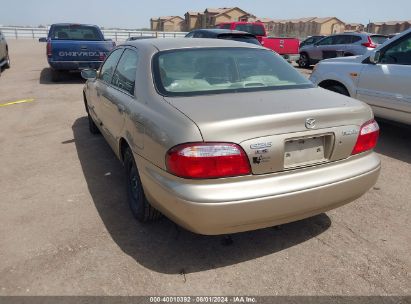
<point>135,14</point>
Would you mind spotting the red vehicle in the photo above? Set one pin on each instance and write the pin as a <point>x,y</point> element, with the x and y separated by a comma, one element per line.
<point>289,48</point>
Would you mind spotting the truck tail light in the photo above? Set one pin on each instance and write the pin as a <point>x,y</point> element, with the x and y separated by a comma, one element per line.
<point>49,49</point>
<point>207,160</point>
<point>368,137</point>
<point>369,44</point>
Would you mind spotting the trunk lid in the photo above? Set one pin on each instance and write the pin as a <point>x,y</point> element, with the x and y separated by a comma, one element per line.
<point>272,126</point>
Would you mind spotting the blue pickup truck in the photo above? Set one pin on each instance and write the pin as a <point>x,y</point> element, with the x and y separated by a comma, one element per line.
<point>73,47</point>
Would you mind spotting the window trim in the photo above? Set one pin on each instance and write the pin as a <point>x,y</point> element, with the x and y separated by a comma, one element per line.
<point>155,71</point>
<point>133,49</point>
<point>393,44</point>
<point>115,67</point>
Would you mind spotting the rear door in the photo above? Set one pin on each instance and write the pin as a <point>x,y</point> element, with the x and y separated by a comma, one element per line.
<point>120,94</point>
<point>386,85</point>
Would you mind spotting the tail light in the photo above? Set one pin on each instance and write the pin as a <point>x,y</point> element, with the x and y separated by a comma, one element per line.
<point>102,56</point>
<point>207,160</point>
<point>369,44</point>
<point>49,49</point>
<point>368,137</point>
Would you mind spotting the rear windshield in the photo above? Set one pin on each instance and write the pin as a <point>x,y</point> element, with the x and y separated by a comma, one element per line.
<point>255,29</point>
<point>241,38</point>
<point>378,39</point>
<point>75,32</point>
<point>222,70</point>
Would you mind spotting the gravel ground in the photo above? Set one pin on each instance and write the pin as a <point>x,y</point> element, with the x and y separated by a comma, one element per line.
<point>66,228</point>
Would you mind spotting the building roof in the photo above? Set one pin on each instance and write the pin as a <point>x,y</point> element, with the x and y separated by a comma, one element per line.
<point>191,13</point>
<point>391,22</point>
<point>167,18</point>
<point>306,19</point>
<point>354,24</point>
<point>217,10</point>
<point>325,19</point>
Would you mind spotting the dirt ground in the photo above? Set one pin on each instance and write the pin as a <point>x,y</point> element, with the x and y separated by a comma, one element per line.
<point>65,227</point>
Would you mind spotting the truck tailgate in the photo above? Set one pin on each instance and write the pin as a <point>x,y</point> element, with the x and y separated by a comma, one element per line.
<point>72,50</point>
<point>282,46</point>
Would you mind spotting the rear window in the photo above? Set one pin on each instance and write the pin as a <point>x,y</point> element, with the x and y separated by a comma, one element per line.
<point>75,32</point>
<point>378,39</point>
<point>222,70</point>
<point>255,29</point>
<point>241,38</point>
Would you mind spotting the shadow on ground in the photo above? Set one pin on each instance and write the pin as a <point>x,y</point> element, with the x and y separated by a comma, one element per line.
<point>66,77</point>
<point>163,246</point>
<point>395,141</point>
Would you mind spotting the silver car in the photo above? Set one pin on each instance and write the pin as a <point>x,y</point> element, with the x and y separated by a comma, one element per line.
<point>346,44</point>
<point>223,136</point>
<point>4,53</point>
<point>380,78</point>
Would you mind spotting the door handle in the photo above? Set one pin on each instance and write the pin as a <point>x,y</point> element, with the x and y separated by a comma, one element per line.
<point>121,108</point>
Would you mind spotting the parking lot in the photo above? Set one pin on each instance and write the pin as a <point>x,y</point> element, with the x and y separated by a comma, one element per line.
<point>66,228</point>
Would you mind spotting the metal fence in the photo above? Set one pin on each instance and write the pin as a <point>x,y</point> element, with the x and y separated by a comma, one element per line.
<point>116,35</point>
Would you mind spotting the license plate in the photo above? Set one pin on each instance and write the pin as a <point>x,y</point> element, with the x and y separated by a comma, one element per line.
<point>300,152</point>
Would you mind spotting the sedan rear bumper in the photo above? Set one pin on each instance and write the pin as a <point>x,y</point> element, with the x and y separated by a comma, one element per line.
<point>232,205</point>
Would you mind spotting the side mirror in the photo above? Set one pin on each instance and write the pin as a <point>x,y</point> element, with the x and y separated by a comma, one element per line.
<point>89,74</point>
<point>43,39</point>
<point>375,57</point>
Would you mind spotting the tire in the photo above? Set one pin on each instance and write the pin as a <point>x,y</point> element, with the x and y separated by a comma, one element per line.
<point>304,61</point>
<point>92,125</point>
<point>140,207</point>
<point>56,75</point>
<point>338,89</point>
<point>7,65</point>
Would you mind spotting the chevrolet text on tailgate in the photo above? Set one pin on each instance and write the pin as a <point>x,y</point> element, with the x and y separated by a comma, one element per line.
<point>73,47</point>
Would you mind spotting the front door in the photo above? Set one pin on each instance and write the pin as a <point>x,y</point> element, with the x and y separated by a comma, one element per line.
<point>386,86</point>
<point>101,86</point>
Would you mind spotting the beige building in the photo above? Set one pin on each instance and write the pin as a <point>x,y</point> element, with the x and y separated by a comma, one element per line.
<point>354,27</point>
<point>389,27</point>
<point>167,24</point>
<point>304,27</point>
<point>192,20</point>
<point>212,17</point>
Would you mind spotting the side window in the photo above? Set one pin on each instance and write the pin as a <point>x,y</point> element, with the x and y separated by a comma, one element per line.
<point>190,35</point>
<point>198,35</point>
<point>309,41</point>
<point>326,41</point>
<point>106,71</point>
<point>355,39</point>
<point>398,53</point>
<point>340,39</point>
<point>125,75</point>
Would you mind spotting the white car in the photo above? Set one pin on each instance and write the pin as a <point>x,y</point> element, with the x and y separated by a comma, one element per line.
<point>381,78</point>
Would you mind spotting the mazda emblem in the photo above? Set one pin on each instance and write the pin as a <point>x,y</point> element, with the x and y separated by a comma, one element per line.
<point>310,123</point>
